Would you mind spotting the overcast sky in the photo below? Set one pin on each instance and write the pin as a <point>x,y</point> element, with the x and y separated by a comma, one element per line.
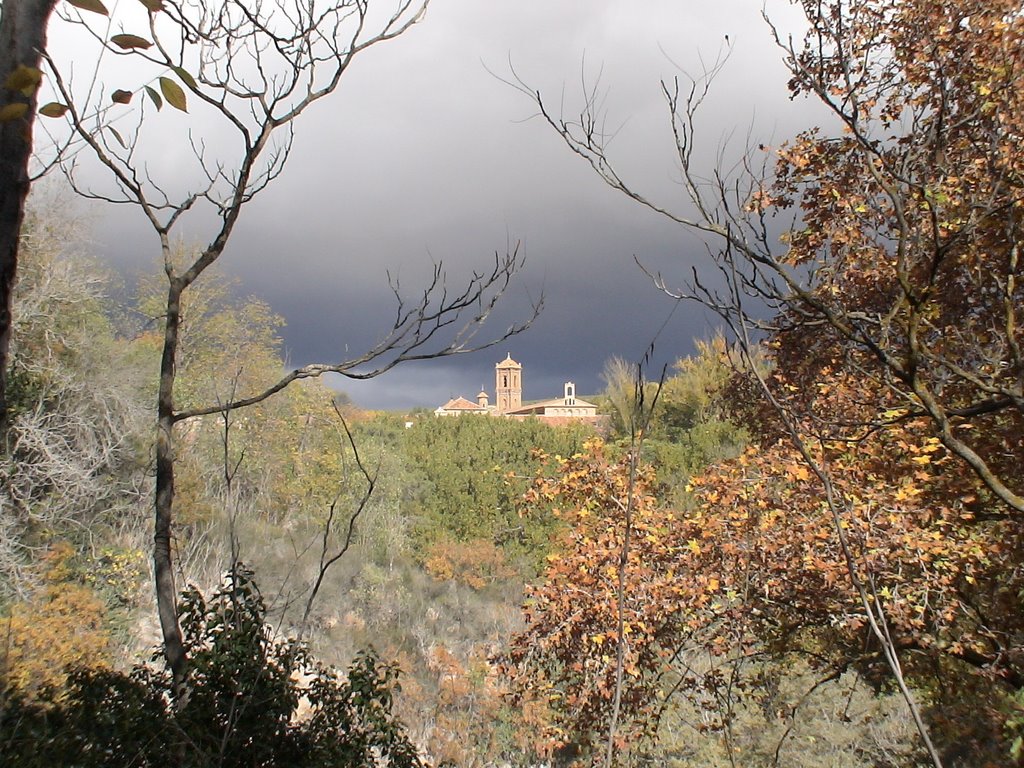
<point>424,155</point>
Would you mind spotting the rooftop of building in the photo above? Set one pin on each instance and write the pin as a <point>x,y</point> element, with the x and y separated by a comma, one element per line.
<point>461,404</point>
<point>556,402</point>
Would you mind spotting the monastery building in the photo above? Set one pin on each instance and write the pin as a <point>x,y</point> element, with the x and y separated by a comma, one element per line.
<point>508,400</point>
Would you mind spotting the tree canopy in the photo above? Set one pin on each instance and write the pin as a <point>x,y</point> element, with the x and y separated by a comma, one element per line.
<point>875,519</point>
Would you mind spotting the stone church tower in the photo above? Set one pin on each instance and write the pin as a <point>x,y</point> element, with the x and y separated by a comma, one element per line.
<point>508,386</point>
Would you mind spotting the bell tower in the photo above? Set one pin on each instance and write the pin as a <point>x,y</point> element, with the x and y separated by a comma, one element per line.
<point>508,385</point>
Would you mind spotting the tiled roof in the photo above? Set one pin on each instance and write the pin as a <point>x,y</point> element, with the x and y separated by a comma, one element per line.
<point>460,404</point>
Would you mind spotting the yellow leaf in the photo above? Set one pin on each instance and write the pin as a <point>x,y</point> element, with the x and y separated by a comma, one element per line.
<point>13,112</point>
<point>129,42</point>
<point>185,77</point>
<point>173,94</point>
<point>907,492</point>
<point>90,5</point>
<point>53,109</point>
<point>24,79</point>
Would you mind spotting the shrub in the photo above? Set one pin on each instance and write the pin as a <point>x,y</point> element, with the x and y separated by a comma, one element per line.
<point>242,707</point>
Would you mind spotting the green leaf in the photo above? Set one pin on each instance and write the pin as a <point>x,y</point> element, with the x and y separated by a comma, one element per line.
<point>155,97</point>
<point>185,77</point>
<point>24,79</point>
<point>117,136</point>
<point>153,6</point>
<point>53,109</point>
<point>130,42</point>
<point>12,112</point>
<point>121,97</point>
<point>94,6</point>
<point>173,94</point>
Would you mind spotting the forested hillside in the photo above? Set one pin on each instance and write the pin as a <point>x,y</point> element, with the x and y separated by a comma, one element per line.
<point>440,524</point>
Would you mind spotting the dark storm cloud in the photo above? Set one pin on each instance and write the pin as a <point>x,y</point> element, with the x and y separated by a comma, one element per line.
<point>423,155</point>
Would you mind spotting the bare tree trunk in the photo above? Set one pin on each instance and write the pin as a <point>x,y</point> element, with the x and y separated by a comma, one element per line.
<point>163,563</point>
<point>22,39</point>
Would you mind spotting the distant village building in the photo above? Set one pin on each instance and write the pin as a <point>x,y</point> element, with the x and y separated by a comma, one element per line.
<point>566,407</point>
<point>508,401</point>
